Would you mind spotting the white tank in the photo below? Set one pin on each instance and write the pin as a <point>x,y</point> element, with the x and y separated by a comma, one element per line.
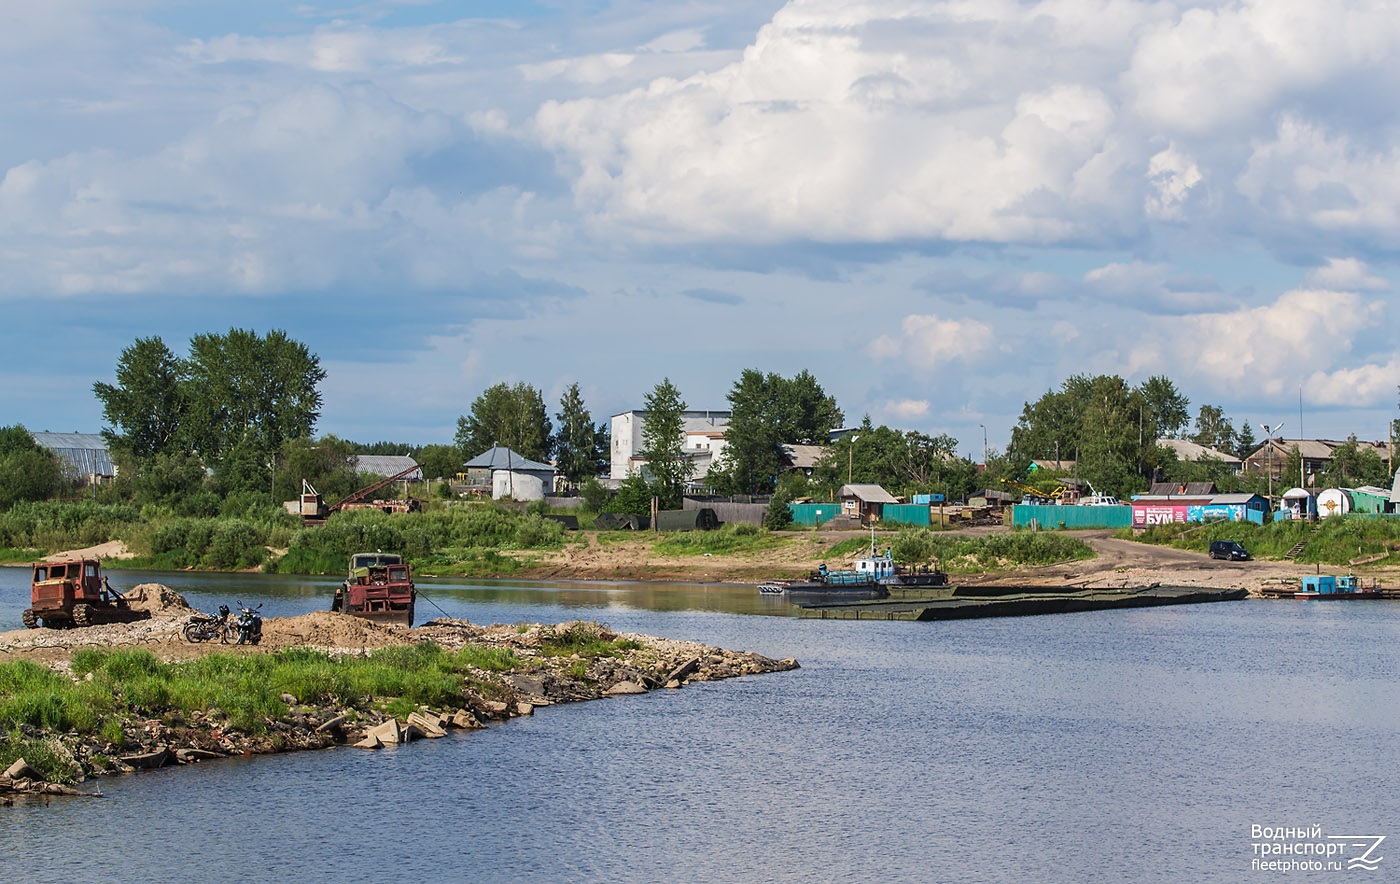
<point>1333,502</point>
<point>516,486</point>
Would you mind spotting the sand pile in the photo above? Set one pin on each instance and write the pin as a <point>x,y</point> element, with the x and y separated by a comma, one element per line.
<point>156,598</point>
<point>323,629</point>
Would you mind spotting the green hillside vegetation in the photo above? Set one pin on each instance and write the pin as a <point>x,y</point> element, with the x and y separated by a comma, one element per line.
<point>1335,542</point>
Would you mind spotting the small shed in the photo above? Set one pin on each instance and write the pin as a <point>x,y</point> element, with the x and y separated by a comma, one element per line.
<point>1333,502</point>
<point>1297,503</point>
<point>865,501</point>
<point>1370,499</point>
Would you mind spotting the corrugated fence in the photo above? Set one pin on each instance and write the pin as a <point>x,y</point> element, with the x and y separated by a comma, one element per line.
<point>1050,518</point>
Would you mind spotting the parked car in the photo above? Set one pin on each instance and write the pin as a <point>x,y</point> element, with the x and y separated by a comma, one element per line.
<point>1229,550</point>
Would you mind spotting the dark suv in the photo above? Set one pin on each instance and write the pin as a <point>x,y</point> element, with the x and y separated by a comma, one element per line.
<point>1229,550</point>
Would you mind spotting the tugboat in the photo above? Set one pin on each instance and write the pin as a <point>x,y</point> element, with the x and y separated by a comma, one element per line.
<point>378,587</point>
<point>870,578</point>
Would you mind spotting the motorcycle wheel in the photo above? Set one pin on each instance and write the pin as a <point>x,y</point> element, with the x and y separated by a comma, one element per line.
<point>193,633</point>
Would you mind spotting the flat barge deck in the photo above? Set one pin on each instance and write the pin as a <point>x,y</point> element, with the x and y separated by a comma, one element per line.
<point>968,602</point>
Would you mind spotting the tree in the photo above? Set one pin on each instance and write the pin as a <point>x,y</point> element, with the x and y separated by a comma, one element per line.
<point>778,516</point>
<point>768,411</point>
<point>249,392</point>
<point>146,405</point>
<point>578,453</point>
<point>440,461</point>
<point>1166,406</point>
<point>1352,465</point>
<point>1244,440</point>
<point>513,416</point>
<point>1107,427</point>
<point>1213,429</point>
<point>663,443</point>
<point>28,471</point>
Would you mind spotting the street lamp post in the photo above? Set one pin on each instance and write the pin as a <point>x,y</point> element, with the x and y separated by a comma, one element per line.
<point>1269,435</point>
<point>984,445</point>
<point>851,458</point>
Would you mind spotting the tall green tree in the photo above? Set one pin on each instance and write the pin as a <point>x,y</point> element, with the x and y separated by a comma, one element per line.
<point>510,415</point>
<point>1244,441</point>
<point>663,444</point>
<point>250,392</point>
<point>1107,427</point>
<point>147,404</point>
<point>768,411</point>
<point>578,454</point>
<point>1166,406</point>
<point>1214,429</point>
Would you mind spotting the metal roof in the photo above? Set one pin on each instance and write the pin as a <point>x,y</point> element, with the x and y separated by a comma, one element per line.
<point>868,493</point>
<point>499,457</point>
<point>83,454</point>
<point>1188,450</point>
<point>388,465</point>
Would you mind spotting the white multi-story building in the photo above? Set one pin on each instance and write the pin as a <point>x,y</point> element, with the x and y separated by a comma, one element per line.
<point>704,440</point>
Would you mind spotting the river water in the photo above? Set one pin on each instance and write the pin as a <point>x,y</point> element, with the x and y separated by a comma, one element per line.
<point>1139,745</point>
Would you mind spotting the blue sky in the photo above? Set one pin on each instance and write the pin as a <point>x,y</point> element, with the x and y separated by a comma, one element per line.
<point>941,209</point>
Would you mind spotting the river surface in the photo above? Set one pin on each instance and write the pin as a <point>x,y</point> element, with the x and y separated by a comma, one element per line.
<point>1140,745</point>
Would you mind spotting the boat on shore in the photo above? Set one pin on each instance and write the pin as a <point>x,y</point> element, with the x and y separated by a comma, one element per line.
<point>1329,588</point>
<point>871,576</point>
<point>378,587</point>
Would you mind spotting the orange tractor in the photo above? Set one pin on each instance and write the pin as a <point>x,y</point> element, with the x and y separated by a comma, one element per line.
<point>67,594</point>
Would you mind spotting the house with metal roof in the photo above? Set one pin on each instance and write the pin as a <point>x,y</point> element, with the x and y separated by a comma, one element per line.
<point>510,474</point>
<point>1316,454</point>
<point>1185,450</point>
<point>84,456</point>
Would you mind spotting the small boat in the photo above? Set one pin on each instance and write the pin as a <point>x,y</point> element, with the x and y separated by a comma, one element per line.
<point>378,587</point>
<point>870,578</point>
<point>1328,588</point>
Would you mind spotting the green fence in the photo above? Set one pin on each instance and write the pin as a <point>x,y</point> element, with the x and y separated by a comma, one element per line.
<point>812,514</point>
<point>904,514</point>
<point>1050,518</point>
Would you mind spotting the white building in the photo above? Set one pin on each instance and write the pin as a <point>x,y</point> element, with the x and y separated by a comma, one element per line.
<point>704,440</point>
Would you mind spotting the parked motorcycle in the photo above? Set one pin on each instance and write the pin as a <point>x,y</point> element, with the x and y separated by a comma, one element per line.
<point>248,626</point>
<point>203,627</point>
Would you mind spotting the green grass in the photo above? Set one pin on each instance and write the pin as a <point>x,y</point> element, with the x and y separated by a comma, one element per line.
<point>20,556</point>
<point>1336,541</point>
<point>583,639</point>
<point>246,689</point>
<point>726,540</point>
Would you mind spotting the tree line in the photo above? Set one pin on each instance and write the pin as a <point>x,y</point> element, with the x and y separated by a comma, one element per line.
<point>233,419</point>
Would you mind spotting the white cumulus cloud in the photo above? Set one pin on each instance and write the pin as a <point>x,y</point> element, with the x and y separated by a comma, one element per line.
<point>928,341</point>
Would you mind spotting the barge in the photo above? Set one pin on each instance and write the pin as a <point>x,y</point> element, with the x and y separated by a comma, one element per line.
<point>968,602</point>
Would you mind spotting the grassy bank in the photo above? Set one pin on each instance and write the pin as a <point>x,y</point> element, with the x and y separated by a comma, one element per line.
<point>66,723</point>
<point>1334,542</point>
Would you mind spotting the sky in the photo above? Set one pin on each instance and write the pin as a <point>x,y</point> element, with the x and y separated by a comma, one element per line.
<point>941,209</point>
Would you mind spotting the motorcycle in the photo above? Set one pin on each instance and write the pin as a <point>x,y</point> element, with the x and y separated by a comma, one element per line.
<point>248,626</point>
<point>202,627</point>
